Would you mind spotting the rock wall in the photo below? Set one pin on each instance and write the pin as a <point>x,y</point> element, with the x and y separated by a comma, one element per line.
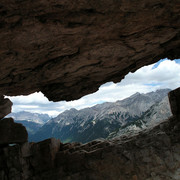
<point>68,48</point>
<point>150,155</point>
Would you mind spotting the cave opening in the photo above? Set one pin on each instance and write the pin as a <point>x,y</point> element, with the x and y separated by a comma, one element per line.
<point>105,114</point>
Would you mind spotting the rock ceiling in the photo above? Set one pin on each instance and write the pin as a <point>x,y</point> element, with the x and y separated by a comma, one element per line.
<point>68,48</point>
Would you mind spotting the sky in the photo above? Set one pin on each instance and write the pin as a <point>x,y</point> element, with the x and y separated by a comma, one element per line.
<point>163,74</point>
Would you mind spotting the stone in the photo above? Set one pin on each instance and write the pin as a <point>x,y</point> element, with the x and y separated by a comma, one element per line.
<point>135,177</point>
<point>26,149</point>
<point>174,98</point>
<point>11,132</point>
<point>67,49</point>
<point>5,106</point>
<point>174,122</point>
<point>44,153</point>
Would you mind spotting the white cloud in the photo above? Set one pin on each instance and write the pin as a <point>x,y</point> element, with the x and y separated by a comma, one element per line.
<point>34,98</point>
<point>165,74</point>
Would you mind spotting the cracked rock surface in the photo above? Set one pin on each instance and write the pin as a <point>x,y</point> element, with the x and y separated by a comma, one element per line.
<point>67,49</point>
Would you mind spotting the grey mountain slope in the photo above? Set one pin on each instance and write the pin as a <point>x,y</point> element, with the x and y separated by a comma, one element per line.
<point>98,121</point>
<point>157,113</point>
<point>138,103</point>
<point>153,116</point>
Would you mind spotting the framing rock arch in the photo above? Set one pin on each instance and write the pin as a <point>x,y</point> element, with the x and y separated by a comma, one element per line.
<point>67,49</point>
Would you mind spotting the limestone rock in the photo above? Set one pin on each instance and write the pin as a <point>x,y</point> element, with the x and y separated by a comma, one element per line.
<point>11,132</point>
<point>5,106</point>
<point>67,49</point>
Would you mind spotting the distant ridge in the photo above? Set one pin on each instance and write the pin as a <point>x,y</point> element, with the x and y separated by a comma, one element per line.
<point>104,120</point>
<point>28,116</point>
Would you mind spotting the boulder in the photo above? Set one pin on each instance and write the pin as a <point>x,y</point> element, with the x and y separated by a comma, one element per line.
<point>44,153</point>
<point>11,132</point>
<point>5,106</point>
<point>174,99</point>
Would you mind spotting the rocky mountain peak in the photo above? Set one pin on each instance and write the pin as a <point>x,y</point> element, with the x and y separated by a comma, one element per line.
<point>100,120</point>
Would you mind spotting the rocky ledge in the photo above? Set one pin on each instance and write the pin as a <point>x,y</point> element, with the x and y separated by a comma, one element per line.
<point>152,155</point>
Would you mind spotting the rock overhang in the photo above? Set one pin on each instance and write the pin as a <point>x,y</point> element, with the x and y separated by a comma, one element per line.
<point>67,49</point>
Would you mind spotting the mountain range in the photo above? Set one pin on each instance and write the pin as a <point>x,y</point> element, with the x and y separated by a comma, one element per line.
<point>107,120</point>
<point>156,114</point>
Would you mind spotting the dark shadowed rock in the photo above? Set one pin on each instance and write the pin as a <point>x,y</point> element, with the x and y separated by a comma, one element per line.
<point>44,154</point>
<point>174,98</point>
<point>5,106</point>
<point>11,132</point>
<point>67,49</point>
<point>174,124</point>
